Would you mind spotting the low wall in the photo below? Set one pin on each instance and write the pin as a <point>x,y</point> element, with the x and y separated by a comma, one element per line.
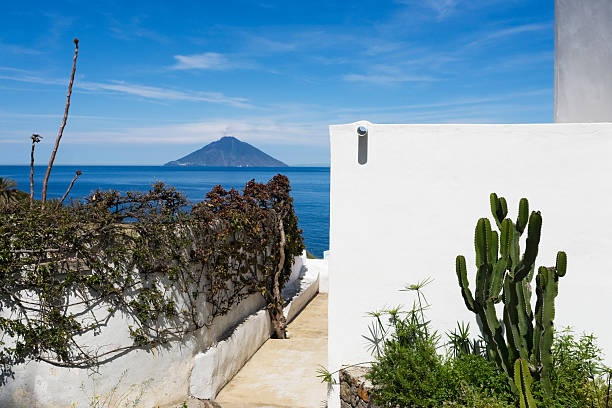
<point>215,367</point>
<point>162,374</point>
<point>406,213</point>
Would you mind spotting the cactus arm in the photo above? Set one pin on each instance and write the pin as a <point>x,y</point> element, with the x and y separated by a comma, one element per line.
<point>464,283</point>
<point>493,247</point>
<point>497,279</point>
<point>512,306</point>
<point>499,208</point>
<point>537,331</point>
<point>523,215</point>
<point>515,252</point>
<point>505,238</point>
<point>504,208</point>
<point>531,248</point>
<point>561,265</point>
<point>493,200</point>
<point>482,283</point>
<point>550,282</point>
<point>482,239</point>
<point>522,381</point>
<point>525,318</point>
<point>494,331</point>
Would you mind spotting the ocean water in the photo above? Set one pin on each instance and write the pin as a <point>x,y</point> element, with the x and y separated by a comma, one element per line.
<point>309,185</point>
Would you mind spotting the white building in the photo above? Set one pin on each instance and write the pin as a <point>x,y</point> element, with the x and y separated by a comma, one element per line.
<point>405,198</point>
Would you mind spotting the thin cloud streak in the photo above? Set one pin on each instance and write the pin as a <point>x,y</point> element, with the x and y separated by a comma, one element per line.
<point>143,91</point>
<point>18,49</point>
<point>164,94</point>
<point>250,130</point>
<point>508,32</point>
<point>207,60</point>
<point>453,102</point>
<point>386,79</point>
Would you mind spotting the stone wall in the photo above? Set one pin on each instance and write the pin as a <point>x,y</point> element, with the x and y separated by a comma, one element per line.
<point>355,389</point>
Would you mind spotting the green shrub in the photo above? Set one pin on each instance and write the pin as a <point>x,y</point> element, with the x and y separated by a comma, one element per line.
<point>483,379</point>
<point>409,371</point>
<point>579,378</point>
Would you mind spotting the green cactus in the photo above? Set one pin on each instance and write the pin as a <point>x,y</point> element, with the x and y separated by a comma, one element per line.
<point>523,380</point>
<point>504,275</point>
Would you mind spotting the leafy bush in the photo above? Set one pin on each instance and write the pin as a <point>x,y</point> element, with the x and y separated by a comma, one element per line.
<point>579,377</point>
<point>66,269</point>
<point>409,371</point>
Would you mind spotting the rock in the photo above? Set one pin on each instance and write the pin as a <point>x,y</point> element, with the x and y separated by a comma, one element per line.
<point>355,389</point>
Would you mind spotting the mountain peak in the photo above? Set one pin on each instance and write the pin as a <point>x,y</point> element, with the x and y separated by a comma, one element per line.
<point>228,139</point>
<point>228,152</point>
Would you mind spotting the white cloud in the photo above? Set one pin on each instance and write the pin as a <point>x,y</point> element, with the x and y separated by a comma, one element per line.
<point>207,60</point>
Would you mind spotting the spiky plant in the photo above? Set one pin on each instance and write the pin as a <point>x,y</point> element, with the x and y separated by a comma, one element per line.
<point>504,275</point>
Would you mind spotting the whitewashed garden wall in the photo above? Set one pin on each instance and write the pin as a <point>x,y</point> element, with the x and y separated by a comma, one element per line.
<point>200,366</point>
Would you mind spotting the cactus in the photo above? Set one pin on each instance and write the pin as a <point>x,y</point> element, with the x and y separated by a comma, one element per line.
<point>504,275</point>
<point>523,380</point>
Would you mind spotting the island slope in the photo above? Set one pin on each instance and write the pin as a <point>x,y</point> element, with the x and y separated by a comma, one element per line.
<point>228,152</point>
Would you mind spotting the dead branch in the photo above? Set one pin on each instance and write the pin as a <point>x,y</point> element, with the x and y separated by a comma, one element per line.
<point>76,176</point>
<point>35,139</point>
<point>63,125</point>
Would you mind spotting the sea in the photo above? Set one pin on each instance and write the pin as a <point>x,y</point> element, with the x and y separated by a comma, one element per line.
<point>309,187</point>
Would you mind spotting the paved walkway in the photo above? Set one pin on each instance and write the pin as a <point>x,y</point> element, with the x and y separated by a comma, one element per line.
<point>282,373</point>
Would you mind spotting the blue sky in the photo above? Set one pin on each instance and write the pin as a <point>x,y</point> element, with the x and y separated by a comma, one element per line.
<point>157,80</point>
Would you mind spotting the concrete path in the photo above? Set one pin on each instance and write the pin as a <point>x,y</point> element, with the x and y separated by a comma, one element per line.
<point>282,373</point>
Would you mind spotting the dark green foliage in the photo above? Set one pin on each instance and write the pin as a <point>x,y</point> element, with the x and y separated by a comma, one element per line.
<point>9,195</point>
<point>578,379</point>
<point>409,372</point>
<point>503,275</point>
<point>479,382</point>
<point>145,256</point>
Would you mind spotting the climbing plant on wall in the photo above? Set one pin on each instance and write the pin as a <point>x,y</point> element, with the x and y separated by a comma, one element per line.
<point>163,265</point>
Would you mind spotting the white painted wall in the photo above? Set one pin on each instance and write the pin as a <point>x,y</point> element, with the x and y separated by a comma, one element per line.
<point>583,61</point>
<point>166,371</point>
<point>412,208</point>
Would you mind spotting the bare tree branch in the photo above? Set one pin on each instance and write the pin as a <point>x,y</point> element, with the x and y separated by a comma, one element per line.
<point>63,125</point>
<point>35,139</point>
<point>76,176</point>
